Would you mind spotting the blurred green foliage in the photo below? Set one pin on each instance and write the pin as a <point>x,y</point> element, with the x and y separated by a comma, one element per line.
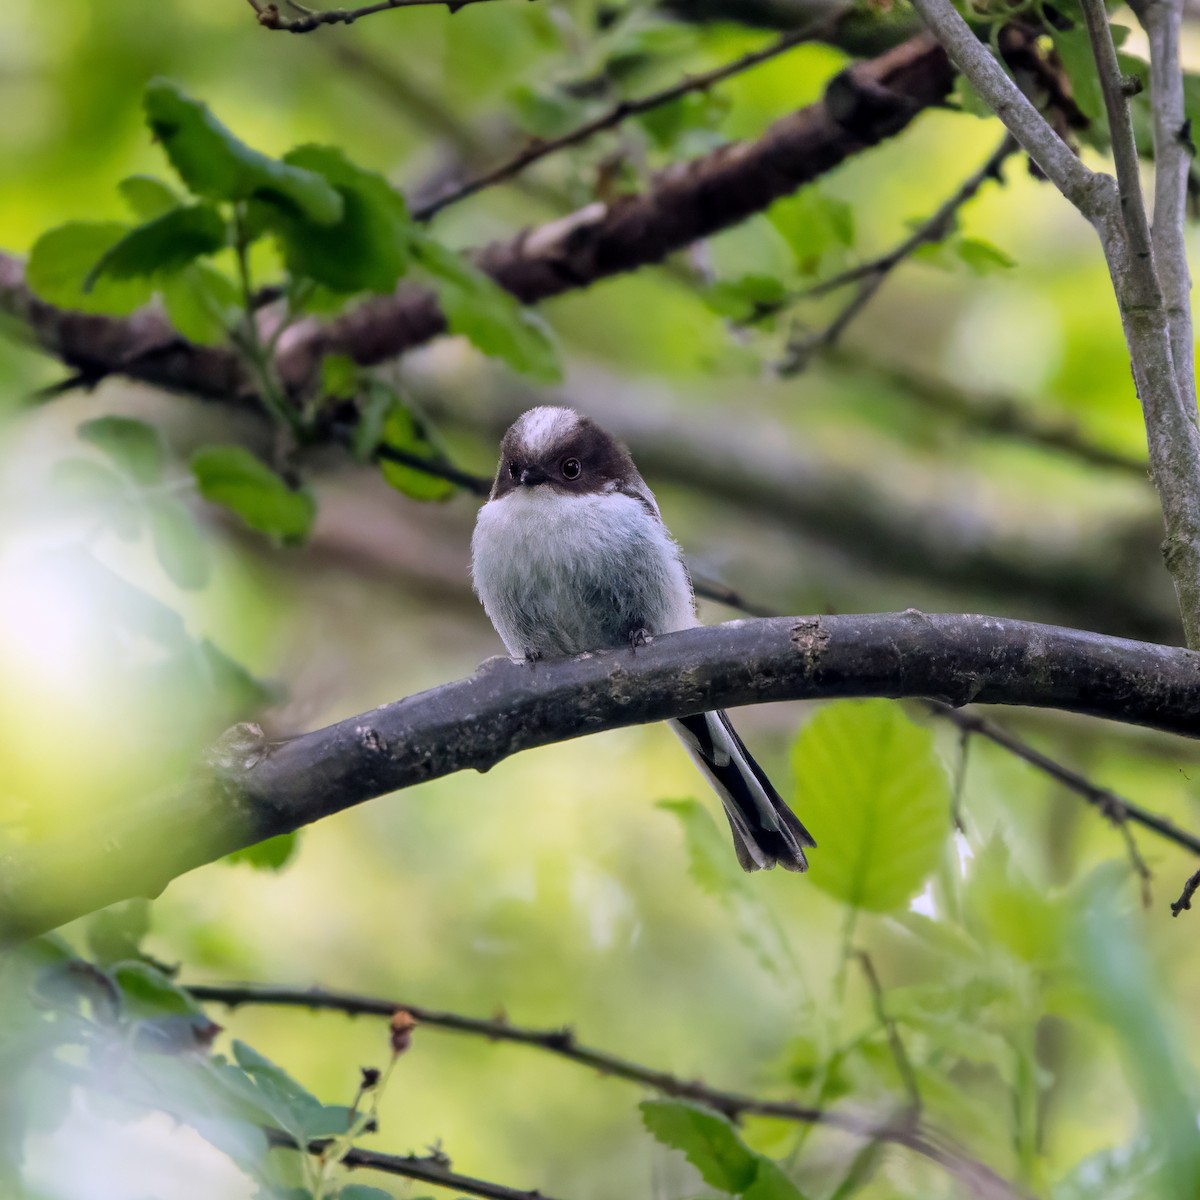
<point>1039,1012</point>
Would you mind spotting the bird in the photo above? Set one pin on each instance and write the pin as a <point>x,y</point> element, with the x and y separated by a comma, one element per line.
<point>570,554</point>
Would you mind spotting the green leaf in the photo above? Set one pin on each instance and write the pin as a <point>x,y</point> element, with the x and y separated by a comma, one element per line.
<point>62,257</point>
<point>339,377</point>
<point>770,1183</point>
<point>368,248</point>
<point>216,165</point>
<point>1075,52</point>
<point>712,864</point>
<point>743,298</point>
<point>135,447</point>
<point>1004,904</point>
<point>179,543</point>
<point>148,993</point>
<point>482,311</point>
<point>240,693</point>
<point>403,430</point>
<point>268,855</point>
<point>147,196</point>
<point>233,477</point>
<point>870,785</point>
<point>115,933</point>
<point>297,1109</point>
<point>969,100</point>
<point>162,245</point>
<point>201,303</point>
<point>360,1191</point>
<point>816,226</point>
<point>92,488</point>
<point>982,257</point>
<point>708,1141</point>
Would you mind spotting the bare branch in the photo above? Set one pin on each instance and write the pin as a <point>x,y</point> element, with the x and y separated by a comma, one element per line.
<point>870,276</point>
<point>623,110</point>
<point>1185,897</point>
<point>253,789</point>
<point>1120,127</point>
<point>1173,151</point>
<point>1116,808</point>
<point>269,16</point>
<point>1038,138</point>
<point>982,1181</point>
<point>904,1067</point>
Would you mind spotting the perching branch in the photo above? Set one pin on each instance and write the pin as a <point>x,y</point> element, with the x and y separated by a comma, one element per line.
<point>269,16</point>
<point>982,1181</point>
<point>541,148</point>
<point>252,789</point>
<point>870,276</point>
<point>1185,897</point>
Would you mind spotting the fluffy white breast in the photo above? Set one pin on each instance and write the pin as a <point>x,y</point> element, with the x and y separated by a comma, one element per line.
<point>561,574</point>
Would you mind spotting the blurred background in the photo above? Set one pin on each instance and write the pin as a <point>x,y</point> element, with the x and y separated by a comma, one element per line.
<point>1043,1006</point>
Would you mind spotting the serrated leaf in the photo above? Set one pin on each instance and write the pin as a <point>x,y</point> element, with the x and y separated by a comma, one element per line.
<point>368,248</point>
<point>404,431</point>
<point>868,779</point>
<point>218,166</point>
<point>269,855</point>
<point>115,933</point>
<point>707,1140</point>
<point>133,446</point>
<point>147,196</point>
<point>61,259</point>
<point>179,542</point>
<point>491,319</point>
<point>162,245</point>
<point>234,478</point>
<point>201,303</point>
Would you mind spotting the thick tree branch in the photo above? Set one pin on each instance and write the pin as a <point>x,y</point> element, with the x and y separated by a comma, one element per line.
<point>269,16</point>
<point>982,1181</point>
<point>254,789</point>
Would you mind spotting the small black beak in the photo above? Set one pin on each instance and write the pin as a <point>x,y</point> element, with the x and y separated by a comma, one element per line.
<point>532,476</point>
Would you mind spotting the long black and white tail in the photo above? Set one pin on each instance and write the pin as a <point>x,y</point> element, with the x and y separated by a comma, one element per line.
<point>765,830</point>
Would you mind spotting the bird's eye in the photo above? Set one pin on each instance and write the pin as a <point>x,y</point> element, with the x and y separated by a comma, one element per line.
<point>571,468</point>
<point>513,473</point>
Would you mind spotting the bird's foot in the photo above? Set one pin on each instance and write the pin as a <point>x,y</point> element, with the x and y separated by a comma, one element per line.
<point>639,637</point>
<point>532,656</point>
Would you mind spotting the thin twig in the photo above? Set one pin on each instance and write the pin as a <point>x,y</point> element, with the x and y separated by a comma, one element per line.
<point>904,1067</point>
<point>434,1169</point>
<point>269,16</point>
<point>1185,897</point>
<point>1037,136</point>
<point>982,1180</point>
<point>624,109</point>
<point>1001,415</point>
<point>475,484</point>
<point>1120,127</point>
<point>870,276</point>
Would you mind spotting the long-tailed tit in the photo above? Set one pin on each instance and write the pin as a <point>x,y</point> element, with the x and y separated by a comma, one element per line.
<point>570,554</point>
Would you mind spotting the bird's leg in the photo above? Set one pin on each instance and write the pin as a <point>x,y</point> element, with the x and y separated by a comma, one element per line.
<point>532,656</point>
<point>638,637</point>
